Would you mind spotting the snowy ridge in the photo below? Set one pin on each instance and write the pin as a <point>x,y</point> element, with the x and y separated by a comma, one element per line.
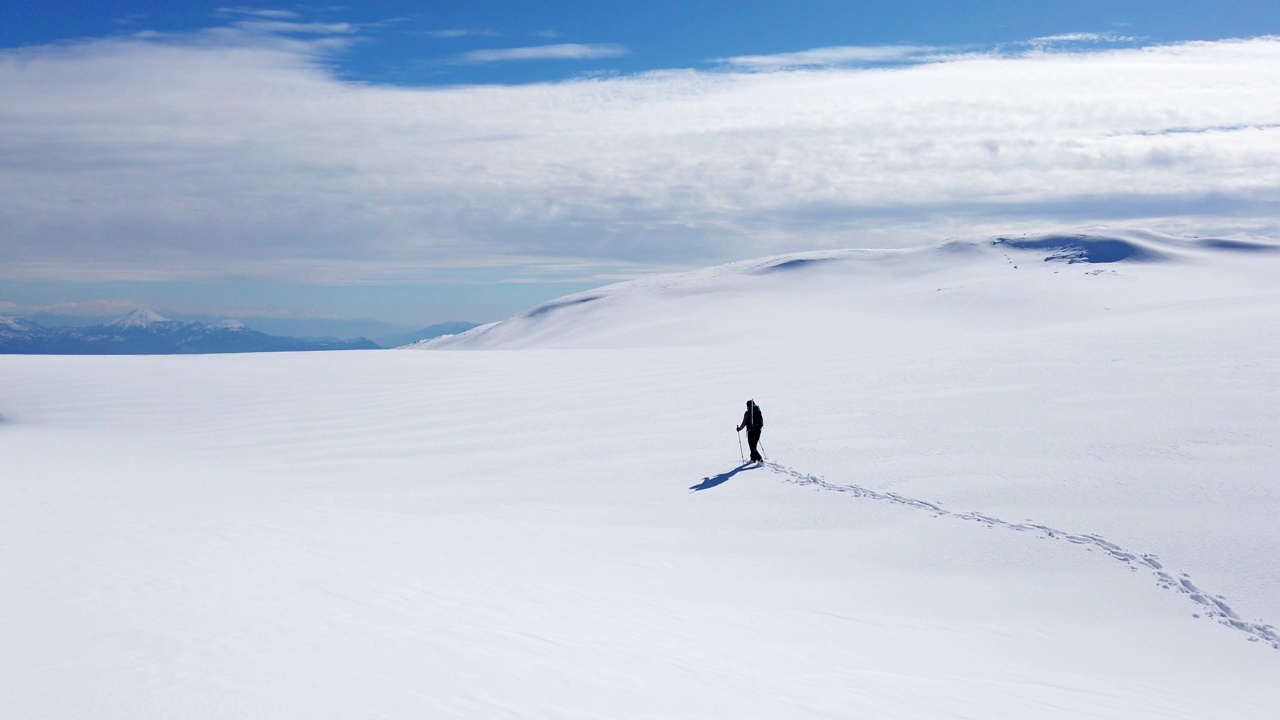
<point>1212,605</point>
<point>647,311</point>
<point>1130,246</point>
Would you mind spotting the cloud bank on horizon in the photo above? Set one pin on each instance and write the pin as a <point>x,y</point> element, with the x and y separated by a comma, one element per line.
<point>239,153</point>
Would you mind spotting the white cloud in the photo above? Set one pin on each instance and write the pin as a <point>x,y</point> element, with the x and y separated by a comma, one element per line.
<point>564,51</point>
<point>296,28</point>
<point>238,155</point>
<point>90,309</point>
<point>834,56</point>
<point>258,13</point>
<point>870,55</point>
<point>460,33</point>
<point>1068,38</point>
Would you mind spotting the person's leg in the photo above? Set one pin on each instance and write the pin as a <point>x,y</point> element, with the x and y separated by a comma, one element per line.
<point>753,438</point>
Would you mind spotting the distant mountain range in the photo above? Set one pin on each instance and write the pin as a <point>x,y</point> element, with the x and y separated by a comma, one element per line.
<point>143,332</point>
<point>426,333</point>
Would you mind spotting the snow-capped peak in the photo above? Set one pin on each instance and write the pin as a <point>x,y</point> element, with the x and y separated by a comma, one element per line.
<point>139,317</point>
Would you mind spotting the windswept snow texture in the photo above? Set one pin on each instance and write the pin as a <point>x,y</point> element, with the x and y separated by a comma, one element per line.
<point>1010,478</point>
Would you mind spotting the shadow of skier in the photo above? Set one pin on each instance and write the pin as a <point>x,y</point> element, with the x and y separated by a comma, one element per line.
<point>710,482</point>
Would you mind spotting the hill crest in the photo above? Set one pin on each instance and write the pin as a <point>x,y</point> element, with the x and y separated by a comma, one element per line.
<point>826,291</point>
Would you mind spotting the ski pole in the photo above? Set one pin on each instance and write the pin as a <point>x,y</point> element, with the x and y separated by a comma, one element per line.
<point>744,457</point>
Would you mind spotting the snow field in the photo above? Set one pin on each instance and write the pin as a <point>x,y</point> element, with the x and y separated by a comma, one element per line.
<point>513,533</point>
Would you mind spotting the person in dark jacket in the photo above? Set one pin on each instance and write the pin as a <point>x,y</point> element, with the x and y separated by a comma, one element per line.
<point>753,421</point>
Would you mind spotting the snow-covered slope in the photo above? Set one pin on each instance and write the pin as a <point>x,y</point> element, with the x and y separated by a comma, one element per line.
<point>1029,478</point>
<point>822,296</point>
<point>140,318</point>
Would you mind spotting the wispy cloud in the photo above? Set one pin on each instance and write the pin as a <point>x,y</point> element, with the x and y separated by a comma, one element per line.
<point>256,31</point>
<point>267,14</point>
<point>284,27</point>
<point>1080,39</point>
<point>237,154</point>
<point>130,19</point>
<point>452,33</point>
<point>89,309</point>
<point>1179,130</point>
<point>833,57</point>
<point>882,55</point>
<point>564,51</point>
<point>248,25</point>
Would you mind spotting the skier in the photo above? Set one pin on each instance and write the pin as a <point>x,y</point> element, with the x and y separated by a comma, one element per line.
<point>753,421</point>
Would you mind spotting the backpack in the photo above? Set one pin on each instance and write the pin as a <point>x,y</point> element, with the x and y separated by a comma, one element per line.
<point>757,418</point>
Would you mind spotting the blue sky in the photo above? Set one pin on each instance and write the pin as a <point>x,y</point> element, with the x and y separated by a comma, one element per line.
<point>428,43</point>
<point>417,162</point>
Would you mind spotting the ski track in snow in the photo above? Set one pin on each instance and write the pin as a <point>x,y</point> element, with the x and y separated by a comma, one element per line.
<point>1212,606</point>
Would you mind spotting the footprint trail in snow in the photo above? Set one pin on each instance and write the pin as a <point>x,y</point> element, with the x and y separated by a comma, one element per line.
<point>1211,605</point>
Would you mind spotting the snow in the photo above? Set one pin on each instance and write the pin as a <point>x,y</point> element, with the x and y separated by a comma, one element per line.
<point>140,317</point>
<point>1000,486</point>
